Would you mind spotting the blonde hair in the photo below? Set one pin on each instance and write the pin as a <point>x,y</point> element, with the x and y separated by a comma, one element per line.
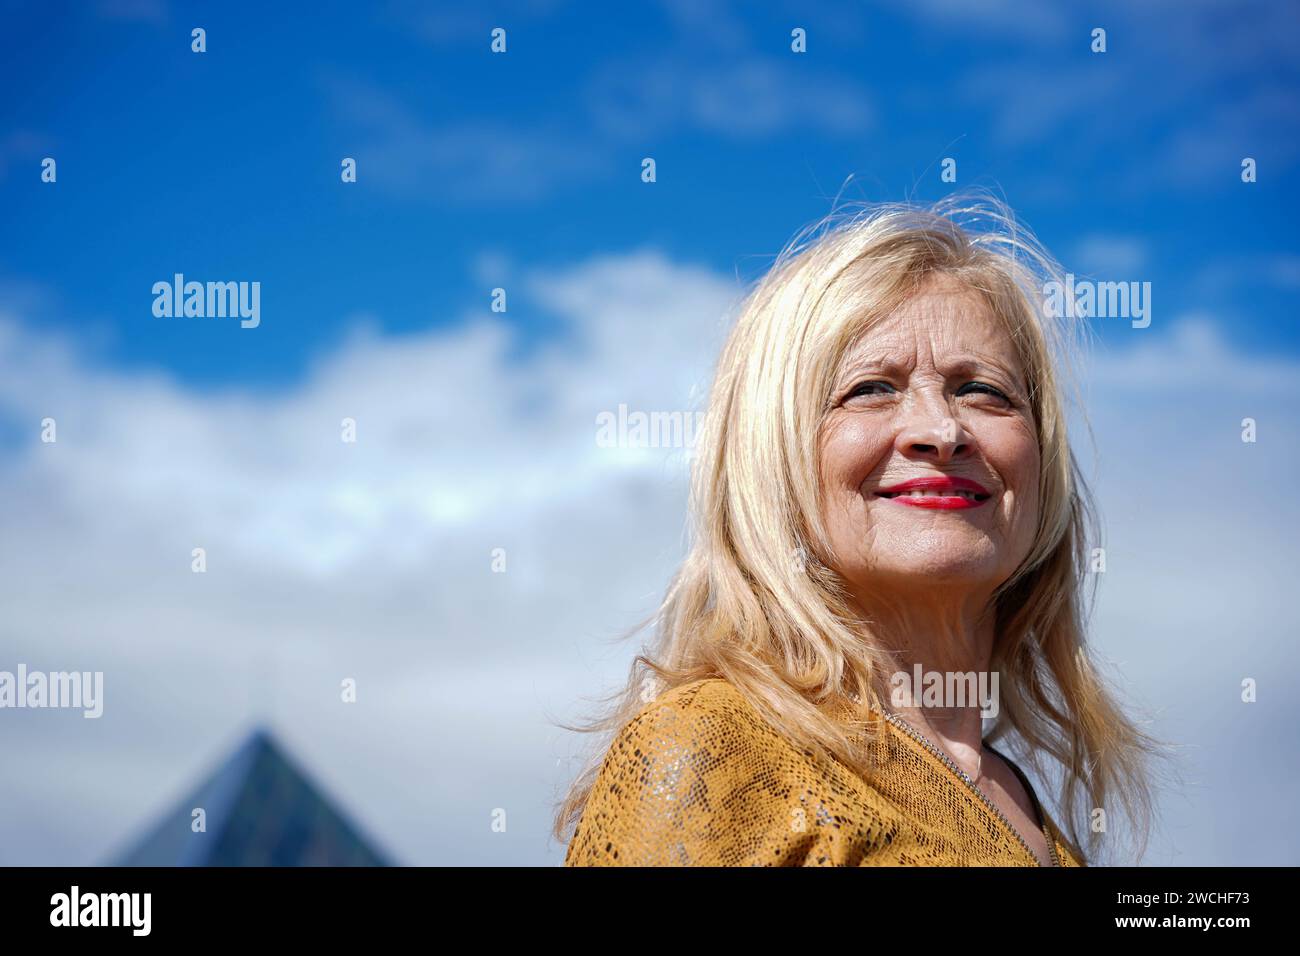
<point>781,630</point>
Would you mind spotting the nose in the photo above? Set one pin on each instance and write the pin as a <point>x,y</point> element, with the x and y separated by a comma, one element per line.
<point>930,432</point>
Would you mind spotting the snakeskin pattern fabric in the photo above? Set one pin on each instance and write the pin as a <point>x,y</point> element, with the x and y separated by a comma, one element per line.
<point>699,778</point>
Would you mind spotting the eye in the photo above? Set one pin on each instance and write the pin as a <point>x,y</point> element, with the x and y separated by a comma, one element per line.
<point>870,388</point>
<point>982,388</point>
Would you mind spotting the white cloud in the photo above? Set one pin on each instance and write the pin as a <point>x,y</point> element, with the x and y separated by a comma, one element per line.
<point>1018,18</point>
<point>369,560</point>
<point>143,11</point>
<point>1191,361</point>
<point>478,159</point>
<point>621,104</point>
<point>1110,257</point>
<point>1119,116</point>
<point>1199,536</point>
<point>744,97</point>
<point>22,148</point>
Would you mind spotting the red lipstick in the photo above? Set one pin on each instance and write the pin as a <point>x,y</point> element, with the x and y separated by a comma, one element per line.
<point>938,492</point>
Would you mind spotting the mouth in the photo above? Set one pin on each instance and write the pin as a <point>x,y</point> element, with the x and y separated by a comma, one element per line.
<point>940,492</point>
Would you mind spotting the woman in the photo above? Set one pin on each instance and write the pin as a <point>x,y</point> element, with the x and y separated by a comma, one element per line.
<point>883,488</point>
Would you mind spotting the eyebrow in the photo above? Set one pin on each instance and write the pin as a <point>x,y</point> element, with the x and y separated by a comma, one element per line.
<point>970,363</point>
<point>960,365</point>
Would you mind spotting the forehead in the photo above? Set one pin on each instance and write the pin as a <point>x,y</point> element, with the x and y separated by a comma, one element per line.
<point>944,318</point>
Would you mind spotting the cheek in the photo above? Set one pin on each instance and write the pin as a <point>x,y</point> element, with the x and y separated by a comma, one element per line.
<point>851,449</point>
<point>1014,454</point>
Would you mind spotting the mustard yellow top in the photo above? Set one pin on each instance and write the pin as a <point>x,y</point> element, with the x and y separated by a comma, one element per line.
<point>699,778</point>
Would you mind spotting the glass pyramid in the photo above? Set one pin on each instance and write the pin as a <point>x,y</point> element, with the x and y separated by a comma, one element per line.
<point>261,811</point>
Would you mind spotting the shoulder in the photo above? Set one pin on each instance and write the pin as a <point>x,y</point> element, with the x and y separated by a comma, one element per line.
<point>675,786</point>
<point>699,778</point>
<point>696,729</point>
<point>710,703</point>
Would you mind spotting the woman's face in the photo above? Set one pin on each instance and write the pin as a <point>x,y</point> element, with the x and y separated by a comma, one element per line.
<point>929,454</point>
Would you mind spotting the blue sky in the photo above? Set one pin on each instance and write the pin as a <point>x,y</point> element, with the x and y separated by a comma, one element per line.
<point>226,164</point>
<point>372,561</point>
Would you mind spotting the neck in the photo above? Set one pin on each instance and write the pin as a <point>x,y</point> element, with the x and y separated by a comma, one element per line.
<point>938,638</point>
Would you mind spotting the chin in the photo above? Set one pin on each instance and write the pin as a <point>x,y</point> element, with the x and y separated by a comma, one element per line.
<point>941,565</point>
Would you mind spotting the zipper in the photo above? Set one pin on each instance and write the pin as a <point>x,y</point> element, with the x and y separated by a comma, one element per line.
<point>962,775</point>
